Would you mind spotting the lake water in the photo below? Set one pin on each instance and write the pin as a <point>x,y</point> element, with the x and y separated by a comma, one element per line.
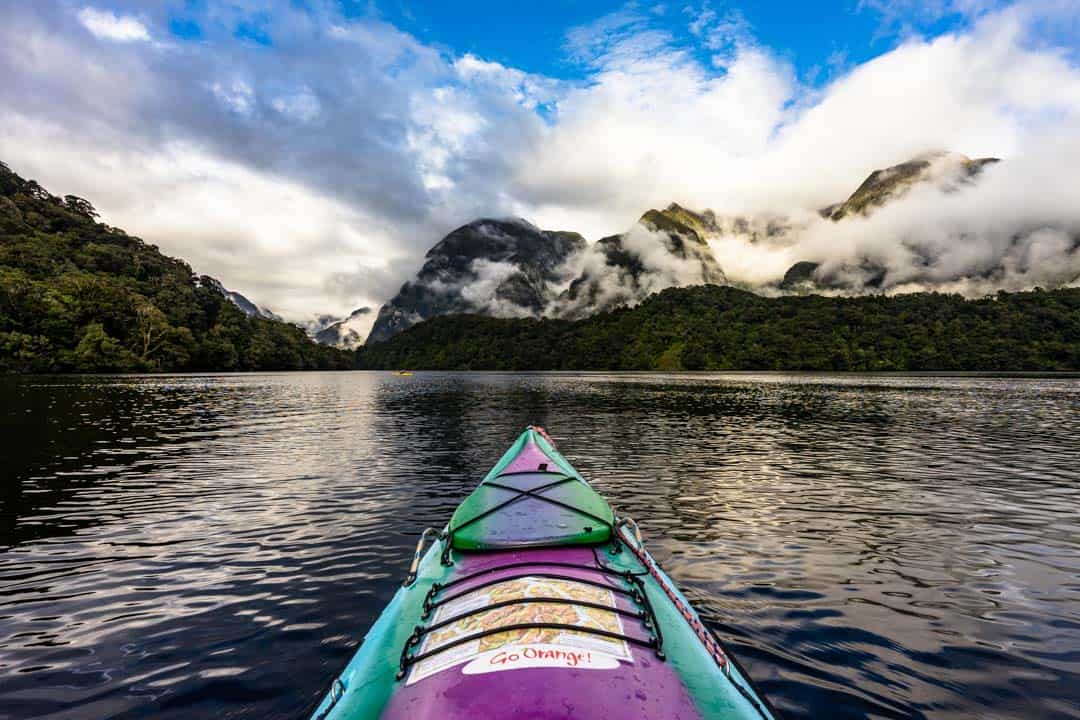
<point>217,546</point>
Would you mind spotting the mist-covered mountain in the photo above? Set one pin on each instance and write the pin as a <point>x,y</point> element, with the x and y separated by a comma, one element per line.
<point>949,170</point>
<point>504,268</point>
<point>511,268</point>
<point>348,333</point>
<point>664,249</point>
<point>945,172</point>
<point>944,223</point>
<point>318,323</point>
<point>941,221</point>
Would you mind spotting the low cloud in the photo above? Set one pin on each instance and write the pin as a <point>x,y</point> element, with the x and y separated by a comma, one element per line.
<point>480,293</point>
<point>1017,227</point>
<point>1013,227</point>
<point>654,267</point>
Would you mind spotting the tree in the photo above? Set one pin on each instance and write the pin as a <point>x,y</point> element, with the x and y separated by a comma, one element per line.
<point>693,355</point>
<point>97,351</point>
<point>24,353</point>
<point>81,206</point>
<point>158,342</point>
<point>34,190</point>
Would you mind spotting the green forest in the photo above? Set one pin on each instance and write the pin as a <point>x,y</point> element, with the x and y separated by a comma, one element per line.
<point>722,328</point>
<point>79,296</point>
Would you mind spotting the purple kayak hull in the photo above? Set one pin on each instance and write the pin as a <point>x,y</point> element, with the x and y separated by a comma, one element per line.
<point>641,689</point>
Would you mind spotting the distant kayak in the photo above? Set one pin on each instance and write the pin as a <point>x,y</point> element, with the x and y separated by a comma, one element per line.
<point>403,373</point>
<point>537,601</point>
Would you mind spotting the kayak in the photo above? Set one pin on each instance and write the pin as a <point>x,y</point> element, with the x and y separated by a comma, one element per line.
<point>537,602</point>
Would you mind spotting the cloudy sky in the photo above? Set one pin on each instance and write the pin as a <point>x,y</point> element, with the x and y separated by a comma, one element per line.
<point>308,152</point>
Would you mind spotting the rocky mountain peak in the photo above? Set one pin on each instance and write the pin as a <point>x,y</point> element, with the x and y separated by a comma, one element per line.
<point>882,186</point>
<point>511,268</point>
<point>501,267</point>
<point>681,220</point>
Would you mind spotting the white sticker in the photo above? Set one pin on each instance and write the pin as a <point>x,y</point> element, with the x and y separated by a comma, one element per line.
<point>581,642</point>
<point>513,657</point>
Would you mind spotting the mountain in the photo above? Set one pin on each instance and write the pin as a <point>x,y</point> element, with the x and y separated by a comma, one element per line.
<point>948,171</point>
<point>511,268</point>
<point>800,277</point>
<point>347,334</point>
<point>490,267</point>
<point>926,242</point>
<point>723,328</point>
<point>664,249</point>
<point>846,248</point>
<point>78,295</point>
<point>504,268</point>
<point>315,325</point>
<point>246,306</point>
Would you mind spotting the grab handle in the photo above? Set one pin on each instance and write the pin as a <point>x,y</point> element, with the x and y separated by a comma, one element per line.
<point>411,577</point>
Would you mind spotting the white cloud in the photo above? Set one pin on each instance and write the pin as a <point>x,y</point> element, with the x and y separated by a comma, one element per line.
<point>108,25</point>
<point>656,127</point>
<point>752,139</point>
<point>237,95</point>
<point>302,106</point>
<point>608,40</point>
<point>481,292</point>
<point>526,90</point>
<point>444,122</point>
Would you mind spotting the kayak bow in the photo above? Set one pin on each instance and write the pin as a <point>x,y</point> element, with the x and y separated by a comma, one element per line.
<point>536,601</point>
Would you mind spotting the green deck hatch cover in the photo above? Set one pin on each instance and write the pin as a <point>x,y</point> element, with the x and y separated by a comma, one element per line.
<point>532,497</point>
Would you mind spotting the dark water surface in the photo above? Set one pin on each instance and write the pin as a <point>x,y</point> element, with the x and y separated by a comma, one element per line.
<point>216,546</point>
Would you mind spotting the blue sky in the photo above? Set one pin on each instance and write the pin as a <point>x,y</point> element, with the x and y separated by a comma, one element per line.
<point>818,38</point>
<point>531,36</point>
<point>309,152</point>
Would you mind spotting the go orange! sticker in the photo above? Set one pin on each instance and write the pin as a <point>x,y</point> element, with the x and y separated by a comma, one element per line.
<point>539,655</point>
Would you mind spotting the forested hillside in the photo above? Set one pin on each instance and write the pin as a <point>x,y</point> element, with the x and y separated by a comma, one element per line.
<point>722,328</point>
<point>78,295</point>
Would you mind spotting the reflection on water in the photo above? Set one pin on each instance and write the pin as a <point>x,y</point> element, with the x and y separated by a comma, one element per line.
<point>205,546</point>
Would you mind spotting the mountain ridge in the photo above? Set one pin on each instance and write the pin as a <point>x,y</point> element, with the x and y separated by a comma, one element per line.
<point>890,183</point>
<point>674,247</point>
<point>246,306</point>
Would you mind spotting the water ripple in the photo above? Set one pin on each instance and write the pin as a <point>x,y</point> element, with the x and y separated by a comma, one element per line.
<point>205,546</point>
